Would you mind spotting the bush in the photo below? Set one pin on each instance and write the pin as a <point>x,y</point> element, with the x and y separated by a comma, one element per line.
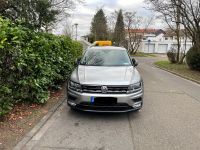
<point>171,54</point>
<point>31,63</point>
<point>193,59</point>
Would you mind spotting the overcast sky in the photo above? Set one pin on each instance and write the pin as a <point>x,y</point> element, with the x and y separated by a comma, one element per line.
<point>84,13</point>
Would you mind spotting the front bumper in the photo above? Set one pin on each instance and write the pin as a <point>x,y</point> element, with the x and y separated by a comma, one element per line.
<point>125,102</point>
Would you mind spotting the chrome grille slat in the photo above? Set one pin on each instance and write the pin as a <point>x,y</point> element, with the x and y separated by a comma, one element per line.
<point>111,89</point>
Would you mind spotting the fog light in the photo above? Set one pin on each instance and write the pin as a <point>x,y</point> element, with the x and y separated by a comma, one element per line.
<point>137,104</point>
<point>71,103</point>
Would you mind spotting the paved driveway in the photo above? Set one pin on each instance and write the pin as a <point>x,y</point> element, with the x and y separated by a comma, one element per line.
<point>169,120</point>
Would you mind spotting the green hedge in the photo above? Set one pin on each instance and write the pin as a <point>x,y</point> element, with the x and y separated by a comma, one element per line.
<point>31,63</point>
<point>193,59</point>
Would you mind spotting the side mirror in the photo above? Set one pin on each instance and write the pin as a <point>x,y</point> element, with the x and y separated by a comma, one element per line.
<point>135,62</point>
<point>78,60</point>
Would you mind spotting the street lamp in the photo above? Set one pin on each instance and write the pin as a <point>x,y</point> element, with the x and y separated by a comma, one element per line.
<point>149,41</point>
<point>76,26</point>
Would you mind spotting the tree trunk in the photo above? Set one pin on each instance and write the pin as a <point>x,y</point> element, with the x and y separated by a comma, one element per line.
<point>197,42</point>
<point>182,59</point>
<point>178,31</point>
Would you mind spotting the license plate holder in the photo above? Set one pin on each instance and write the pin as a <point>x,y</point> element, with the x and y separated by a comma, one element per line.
<point>105,101</point>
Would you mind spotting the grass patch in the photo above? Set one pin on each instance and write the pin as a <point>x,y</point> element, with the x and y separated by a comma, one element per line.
<point>179,69</point>
<point>140,54</point>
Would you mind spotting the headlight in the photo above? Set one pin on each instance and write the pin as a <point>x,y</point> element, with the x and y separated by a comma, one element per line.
<point>75,86</point>
<point>134,87</point>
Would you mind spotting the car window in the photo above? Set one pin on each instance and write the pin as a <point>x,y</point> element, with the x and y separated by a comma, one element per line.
<point>99,57</point>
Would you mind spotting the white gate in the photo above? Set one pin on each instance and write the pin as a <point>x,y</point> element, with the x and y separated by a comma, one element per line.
<point>162,48</point>
<point>149,48</point>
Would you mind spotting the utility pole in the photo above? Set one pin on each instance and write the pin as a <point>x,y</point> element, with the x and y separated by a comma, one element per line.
<point>76,26</point>
<point>178,28</point>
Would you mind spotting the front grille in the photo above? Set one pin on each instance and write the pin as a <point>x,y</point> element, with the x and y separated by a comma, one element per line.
<point>111,89</point>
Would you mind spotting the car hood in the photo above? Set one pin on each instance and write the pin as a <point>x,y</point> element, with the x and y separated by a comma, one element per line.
<point>98,75</point>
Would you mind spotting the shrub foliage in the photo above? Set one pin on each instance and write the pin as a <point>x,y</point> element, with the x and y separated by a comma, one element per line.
<point>171,54</point>
<point>31,63</point>
<point>193,59</point>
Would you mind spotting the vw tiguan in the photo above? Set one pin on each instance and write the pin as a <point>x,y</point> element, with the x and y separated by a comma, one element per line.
<point>105,80</point>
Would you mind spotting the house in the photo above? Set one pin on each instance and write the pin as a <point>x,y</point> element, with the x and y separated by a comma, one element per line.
<point>186,41</point>
<point>158,40</point>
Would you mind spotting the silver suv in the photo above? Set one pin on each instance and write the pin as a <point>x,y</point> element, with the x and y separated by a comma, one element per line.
<point>106,80</point>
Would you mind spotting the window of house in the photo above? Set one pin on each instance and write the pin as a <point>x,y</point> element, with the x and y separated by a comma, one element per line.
<point>144,38</point>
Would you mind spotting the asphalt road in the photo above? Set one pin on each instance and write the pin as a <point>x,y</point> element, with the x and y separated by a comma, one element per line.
<point>169,120</point>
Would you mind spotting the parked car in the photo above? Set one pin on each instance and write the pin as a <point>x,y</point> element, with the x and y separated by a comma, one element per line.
<point>106,80</point>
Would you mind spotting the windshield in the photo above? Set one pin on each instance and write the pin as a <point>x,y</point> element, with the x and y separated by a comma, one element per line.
<point>99,57</point>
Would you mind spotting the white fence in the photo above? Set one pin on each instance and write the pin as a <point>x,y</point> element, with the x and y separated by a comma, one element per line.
<point>162,47</point>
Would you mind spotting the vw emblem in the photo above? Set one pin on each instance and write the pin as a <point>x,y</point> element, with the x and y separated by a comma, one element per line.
<point>104,89</point>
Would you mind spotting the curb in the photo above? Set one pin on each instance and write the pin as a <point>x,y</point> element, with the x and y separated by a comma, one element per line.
<point>177,74</point>
<point>38,126</point>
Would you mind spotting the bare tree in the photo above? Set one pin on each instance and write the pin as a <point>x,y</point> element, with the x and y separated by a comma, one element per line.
<point>181,12</point>
<point>133,24</point>
<point>68,29</point>
<point>64,7</point>
<point>111,19</point>
<point>190,18</point>
<point>171,15</point>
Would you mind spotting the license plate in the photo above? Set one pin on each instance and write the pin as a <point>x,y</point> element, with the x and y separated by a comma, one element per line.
<point>92,99</point>
<point>104,101</point>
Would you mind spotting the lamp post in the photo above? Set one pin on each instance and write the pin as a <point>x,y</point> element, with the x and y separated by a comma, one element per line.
<point>149,41</point>
<point>76,26</point>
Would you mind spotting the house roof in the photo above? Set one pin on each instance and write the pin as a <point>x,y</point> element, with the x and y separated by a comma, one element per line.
<point>170,33</point>
<point>146,31</point>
